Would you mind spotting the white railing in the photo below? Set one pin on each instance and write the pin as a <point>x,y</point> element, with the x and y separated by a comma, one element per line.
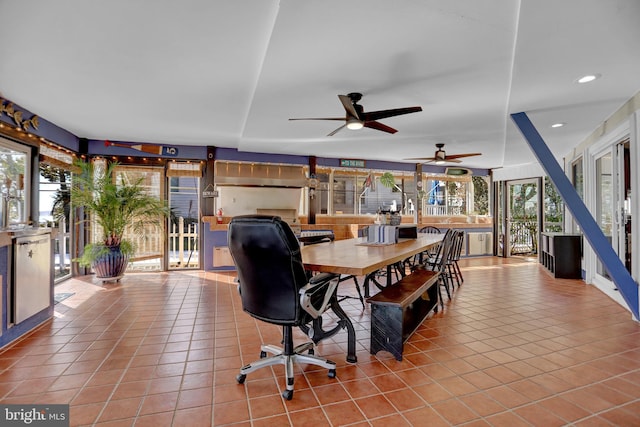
<point>435,210</point>
<point>148,242</point>
<point>61,239</point>
<point>183,244</point>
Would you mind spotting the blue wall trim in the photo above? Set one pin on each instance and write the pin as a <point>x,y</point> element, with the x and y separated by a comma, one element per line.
<point>46,129</point>
<point>592,232</point>
<point>232,154</point>
<point>185,152</point>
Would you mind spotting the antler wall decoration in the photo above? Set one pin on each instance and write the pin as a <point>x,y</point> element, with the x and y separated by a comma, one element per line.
<point>6,107</point>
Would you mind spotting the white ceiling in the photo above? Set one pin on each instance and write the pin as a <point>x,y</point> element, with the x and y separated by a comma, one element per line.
<point>231,73</point>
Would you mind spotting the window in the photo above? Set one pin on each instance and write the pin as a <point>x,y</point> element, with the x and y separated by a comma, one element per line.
<point>577,179</point>
<point>553,207</point>
<point>56,165</point>
<point>15,184</point>
<point>444,195</point>
<point>55,212</point>
<point>366,192</point>
<point>363,192</point>
<point>480,195</point>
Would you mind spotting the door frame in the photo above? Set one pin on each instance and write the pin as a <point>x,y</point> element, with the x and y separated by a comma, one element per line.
<point>161,256</point>
<point>506,210</point>
<point>608,144</point>
<point>193,245</point>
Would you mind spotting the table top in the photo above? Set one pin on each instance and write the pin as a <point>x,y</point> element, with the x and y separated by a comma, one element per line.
<point>350,256</point>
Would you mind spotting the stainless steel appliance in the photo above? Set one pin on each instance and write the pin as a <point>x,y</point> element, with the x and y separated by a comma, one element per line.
<point>31,275</point>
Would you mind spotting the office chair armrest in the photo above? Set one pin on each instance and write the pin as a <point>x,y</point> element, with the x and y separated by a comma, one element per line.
<point>316,295</point>
<point>322,277</point>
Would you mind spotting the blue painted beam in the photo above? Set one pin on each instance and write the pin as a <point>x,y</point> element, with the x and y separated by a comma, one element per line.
<point>592,232</point>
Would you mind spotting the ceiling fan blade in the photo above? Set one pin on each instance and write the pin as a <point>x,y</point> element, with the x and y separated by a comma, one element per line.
<point>421,158</point>
<point>348,106</point>
<point>320,118</point>
<point>337,130</point>
<point>434,159</point>
<point>379,126</point>
<point>382,114</point>
<point>458,156</point>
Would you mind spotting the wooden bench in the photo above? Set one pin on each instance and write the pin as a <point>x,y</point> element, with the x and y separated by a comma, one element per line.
<point>398,310</point>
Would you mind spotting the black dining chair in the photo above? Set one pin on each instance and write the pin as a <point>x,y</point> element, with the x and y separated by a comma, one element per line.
<point>453,268</point>
<point>275,288</point>
<point>438,261</point>
<point>430,229</point>
<point>419,258</point>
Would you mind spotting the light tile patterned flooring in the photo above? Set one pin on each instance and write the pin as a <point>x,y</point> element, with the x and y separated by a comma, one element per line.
<point>514,347</point>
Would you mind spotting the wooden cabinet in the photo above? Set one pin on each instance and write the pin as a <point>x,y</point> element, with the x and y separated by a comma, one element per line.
<point>222,257</point>
<point>561,254</point>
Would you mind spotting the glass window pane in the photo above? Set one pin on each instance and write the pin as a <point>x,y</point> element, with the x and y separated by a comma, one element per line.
<point>604,201</point>
<point>553,207</point>
<point>184,222</point>
<point>14,183</point>
<point>55,212</point>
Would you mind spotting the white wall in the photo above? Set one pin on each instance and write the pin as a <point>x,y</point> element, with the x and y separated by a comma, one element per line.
<point>621,123</point>
<point>531,170</point>
<point>236,200</point>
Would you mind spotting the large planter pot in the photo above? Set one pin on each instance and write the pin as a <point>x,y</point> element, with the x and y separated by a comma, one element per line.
<point>111,265</point>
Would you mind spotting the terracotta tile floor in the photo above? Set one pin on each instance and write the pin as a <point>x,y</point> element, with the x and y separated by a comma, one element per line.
<point>514,347</point>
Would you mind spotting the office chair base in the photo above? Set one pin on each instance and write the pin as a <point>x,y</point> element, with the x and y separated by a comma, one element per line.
<point>279,358</point>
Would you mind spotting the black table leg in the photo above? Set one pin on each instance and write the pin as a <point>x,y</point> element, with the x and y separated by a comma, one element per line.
<point>316,333</point>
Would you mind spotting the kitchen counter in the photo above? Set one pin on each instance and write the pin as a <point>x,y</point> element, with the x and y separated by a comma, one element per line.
<point>7,234</point>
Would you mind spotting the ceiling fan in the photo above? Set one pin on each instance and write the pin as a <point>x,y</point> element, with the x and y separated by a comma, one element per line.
<point>355,117</point>
<point>441,156</point>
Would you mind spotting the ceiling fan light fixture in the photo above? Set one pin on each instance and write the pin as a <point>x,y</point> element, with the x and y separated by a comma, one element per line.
<point>458,171</point>
<point>440,162</point>
<point>588,78</point>
<point>354,124</point>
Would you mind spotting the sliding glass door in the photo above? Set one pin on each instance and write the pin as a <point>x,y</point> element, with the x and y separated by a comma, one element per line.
<point>611,191</point>
<point>184,223</point>
<point>150,244</point>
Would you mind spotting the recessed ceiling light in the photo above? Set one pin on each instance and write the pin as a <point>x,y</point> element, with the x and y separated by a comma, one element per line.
<point>557,125</point>
<point>588,78</point>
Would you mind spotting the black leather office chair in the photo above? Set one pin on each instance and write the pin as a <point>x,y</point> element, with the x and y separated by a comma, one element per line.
<point>275,288</point>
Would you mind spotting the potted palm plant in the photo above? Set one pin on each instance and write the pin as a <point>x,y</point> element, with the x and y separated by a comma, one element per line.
<point>115,206</point>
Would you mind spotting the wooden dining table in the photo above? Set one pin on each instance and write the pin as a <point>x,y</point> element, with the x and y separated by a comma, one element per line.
<point>359,258</point>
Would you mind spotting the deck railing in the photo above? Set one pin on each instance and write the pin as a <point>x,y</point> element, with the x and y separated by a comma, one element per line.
<point>523,236</point>
<point>183,244</point>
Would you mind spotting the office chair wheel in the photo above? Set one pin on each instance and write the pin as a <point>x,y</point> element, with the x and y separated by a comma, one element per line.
<point>240,378</point>
<point>332,373</point>
<point>287,394</point>
<point>263,354</point>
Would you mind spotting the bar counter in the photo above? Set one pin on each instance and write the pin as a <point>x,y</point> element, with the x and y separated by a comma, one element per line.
<point>478,232</point>
<point>348,226</point>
